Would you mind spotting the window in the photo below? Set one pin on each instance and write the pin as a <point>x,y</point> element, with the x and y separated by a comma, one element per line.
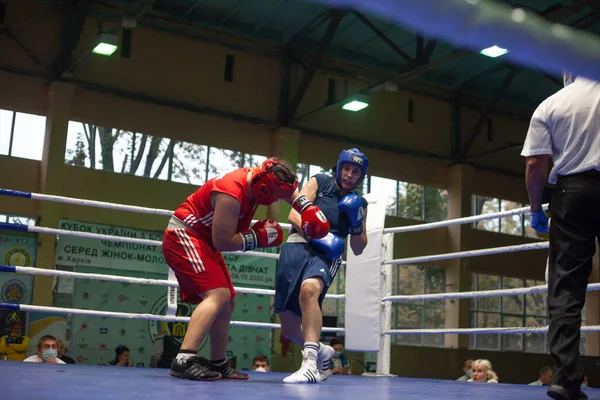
<point>120,151</point>
<point>514,225</point>
<point>22,135</point>
<point>509,311</point>
<point>411,280</point>
<point>16,219</point>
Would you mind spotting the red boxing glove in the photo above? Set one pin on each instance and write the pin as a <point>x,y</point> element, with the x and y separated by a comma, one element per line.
<point>265,233</point>
<point>314,223</point>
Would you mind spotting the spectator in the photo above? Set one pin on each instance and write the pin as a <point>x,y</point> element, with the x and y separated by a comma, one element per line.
<point>584,384</point>
<point>61,353</point>
<point>482,372</point>
<point>121,357</point>
<point>14,345</point>
<point>47,351</point>
<point>339,364</point>
<point>545,377</point>
<point>466,371</point>
<point>261,363</point>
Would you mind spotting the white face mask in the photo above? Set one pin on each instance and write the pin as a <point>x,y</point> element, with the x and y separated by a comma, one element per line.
<point>260,369</point>
<point>568,78</point>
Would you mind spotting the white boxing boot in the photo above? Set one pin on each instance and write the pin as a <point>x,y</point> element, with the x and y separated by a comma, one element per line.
<point>324,356</point>
<point>308,372</point>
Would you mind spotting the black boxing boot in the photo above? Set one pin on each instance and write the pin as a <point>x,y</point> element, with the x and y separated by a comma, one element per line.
<point>223,368</point>
<point>189,367</point>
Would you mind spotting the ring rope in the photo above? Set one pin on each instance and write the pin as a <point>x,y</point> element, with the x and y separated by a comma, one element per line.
<point>468,253</point>
<point>481,331</point>
<point>94,203</point>
<point>269,292</point>
<point>121,239</point>
<point>460,221</point>
<point>144,316</point>
<point>127,279</point>
<point>533,41</point>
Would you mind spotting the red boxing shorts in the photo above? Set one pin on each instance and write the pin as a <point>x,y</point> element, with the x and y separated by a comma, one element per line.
<point>197,266</point>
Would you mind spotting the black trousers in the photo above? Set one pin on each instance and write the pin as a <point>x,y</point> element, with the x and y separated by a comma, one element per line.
<point>574,229</point>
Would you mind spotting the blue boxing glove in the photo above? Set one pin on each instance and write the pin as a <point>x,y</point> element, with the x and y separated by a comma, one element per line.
<point>331,246</point>
<point>351,205</point>
<point>539,222</point>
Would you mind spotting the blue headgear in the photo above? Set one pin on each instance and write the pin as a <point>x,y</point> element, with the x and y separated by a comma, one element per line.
<point>354,157</point>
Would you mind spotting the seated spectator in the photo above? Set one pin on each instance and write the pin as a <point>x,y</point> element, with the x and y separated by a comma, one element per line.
<point>261,363</point>
<point>61,353</point>
<point>584,384</point>
<point>121,357</point>
<point>466,371</point>
<point>14,345</point>
<point>339,364</point>
<point>47,351</point>
<point>482,372</point>
<point>545,377</point>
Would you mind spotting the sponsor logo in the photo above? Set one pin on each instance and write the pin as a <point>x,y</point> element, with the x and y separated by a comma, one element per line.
<point>272,235</point>
<point>17,256</point>
<point>357,160</point>
<point>14,291</point>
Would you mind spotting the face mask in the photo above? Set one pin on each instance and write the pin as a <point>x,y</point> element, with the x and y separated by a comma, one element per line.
<point>260,369</point>
<point>468,374</point>
<point>337,354</point>
<point>49,353</point>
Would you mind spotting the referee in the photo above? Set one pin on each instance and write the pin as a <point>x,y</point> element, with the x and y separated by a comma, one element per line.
<point>566,127</point>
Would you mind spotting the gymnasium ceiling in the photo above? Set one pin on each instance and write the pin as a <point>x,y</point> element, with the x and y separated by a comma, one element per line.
<point>374,49</point>
<point>349,43</point>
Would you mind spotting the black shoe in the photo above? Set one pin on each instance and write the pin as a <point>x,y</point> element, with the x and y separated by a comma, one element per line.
<point>560,393</point>
<point>193,370</point>
<point>227,372</point>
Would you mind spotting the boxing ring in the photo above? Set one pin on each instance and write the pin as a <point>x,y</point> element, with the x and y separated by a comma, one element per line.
<point>469,23</point>
<point>149,382</point>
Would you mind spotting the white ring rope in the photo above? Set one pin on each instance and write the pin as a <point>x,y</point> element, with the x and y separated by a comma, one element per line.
<point>122,239</point>
<point>151,317</point>
<point>469,253</point>
<point>478,294</point>
<point>460,221</point>
<point>95,203</point>
<point>532,40</point>
<point>127,279</point>
<point>481,331</point>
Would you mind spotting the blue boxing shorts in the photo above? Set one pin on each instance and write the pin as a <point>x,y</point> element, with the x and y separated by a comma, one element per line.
<point>299,261</point>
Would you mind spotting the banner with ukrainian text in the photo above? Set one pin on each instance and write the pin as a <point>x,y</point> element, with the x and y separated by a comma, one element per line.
<point>77,251</point>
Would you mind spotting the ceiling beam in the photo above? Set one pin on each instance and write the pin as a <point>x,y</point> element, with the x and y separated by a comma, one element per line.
<point>73,16</point>
<point>308,28</point>
<point>384,37</point>
<point>289,112</point>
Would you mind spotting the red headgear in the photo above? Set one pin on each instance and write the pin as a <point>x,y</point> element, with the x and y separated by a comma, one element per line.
<point>266,188</point>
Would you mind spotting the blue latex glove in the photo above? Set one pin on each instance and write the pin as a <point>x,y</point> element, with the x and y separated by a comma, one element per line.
<point>539,222</point>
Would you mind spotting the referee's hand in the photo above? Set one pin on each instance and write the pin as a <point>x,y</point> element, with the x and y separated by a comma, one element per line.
<point>539,222</point>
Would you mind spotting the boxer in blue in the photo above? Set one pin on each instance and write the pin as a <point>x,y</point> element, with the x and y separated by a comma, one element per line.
<point>307,267</point>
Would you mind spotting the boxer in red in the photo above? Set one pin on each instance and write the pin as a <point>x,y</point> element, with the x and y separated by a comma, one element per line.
<point>217,218</point>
